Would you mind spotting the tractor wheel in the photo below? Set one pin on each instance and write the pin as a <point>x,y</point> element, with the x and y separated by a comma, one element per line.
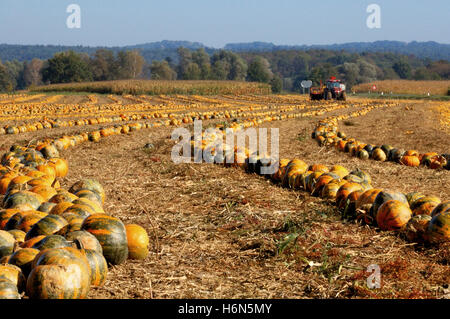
<point>329,95</point>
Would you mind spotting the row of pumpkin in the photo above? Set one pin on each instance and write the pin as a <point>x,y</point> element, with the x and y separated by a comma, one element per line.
<point>183,116</point>
<point>327,133</point>
<point>421,218</point>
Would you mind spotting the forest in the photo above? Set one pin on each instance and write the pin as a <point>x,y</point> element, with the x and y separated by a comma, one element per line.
<point>282,69</point>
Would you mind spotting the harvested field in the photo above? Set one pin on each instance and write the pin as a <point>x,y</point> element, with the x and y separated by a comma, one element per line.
<point>219,232</point>
<point>406,87</point>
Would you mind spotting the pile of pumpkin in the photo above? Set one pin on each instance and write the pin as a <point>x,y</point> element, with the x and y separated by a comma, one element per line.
<point>418,217</point>
<point>56,243</point>
<point>326,133</point>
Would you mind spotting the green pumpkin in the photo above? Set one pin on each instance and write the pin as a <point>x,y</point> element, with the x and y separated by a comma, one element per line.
<point>7,242</point>
<point>111,234</point>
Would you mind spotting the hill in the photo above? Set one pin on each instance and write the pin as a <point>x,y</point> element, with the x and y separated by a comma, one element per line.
<point>430,50</point>
<point>162,49</point>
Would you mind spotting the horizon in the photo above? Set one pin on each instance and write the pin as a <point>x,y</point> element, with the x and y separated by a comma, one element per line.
<point>215,24</point>
<point>218,48</point>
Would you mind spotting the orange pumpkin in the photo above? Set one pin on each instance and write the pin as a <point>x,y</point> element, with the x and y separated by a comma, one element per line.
<point>14,274</point>
<point>138,241</point>
<point>410,160</point>
<point>393,215</point>
<point>425,205</point>
<point>60,165</point>
<point>57,282</point>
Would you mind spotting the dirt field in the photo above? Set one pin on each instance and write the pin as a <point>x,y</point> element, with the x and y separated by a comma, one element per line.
<point>219,232</point>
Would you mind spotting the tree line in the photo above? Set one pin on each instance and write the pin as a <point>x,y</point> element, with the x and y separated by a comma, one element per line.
<point>282,69</point>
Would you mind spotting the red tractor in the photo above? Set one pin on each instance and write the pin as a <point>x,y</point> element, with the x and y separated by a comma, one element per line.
<point>333,89</point>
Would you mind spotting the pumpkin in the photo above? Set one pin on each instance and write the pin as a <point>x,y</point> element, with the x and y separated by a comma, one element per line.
<point>14,274</point>
<point>4,183</point>
<point>393,215</point>
<point>60,165</point>
<point>23,197</point>
<point>413,196</point>
<point>412,153</point>
<point>386,148</point>
<point>48,225</point>
<point>396,154</point>
<point>367,198</point>
<point>321,182</point>
<point>18,183</point>
<point>111,234</point>
<point>65,256</point>
<point>301,179</point>
<point>15,219</point>
<point>439,228</point>
<point>19,235</point>
<point>7,242</point>
<point>91,185</point>
<point>95,206</point>
<point>45,191</point>
<point>46,207</point>
<point>353,179</point>
<point>442,207</point>
<point>98,267</point>
<point>363,154</point>
<point>363,175</point>
<point>311,180</point>
<point>80,209</point>
<point>330,190</point>
<point>51,241</point>
<point>63,197</point>
<point>28,220</point>
<point>138,241</point>
<point>339,170</point>
<point>383,197</point>
<point>75,221</point>
<point>437,162</point>
<point>8,290</point>
<point>369,148</point>
<point>59,208</point>
<point>424,205</point>
<point>86,240</point>
<point>410,160</point>
<point>57,282</point>
<point>23,258</point>
<point>90,195</point>
<point>47,170</point>
<point>30,242</point>
<point>379,155</point>
<point>318,168</point>
<point>49,151</point>
<point>5,215</point>
<point>278,175</point>
<point>295,167</point>
<point>416,228</point>
<point>344,191</point>
<point>350,205</point>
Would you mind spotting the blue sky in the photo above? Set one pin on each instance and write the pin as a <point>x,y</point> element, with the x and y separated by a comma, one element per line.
<point>215,23</point>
